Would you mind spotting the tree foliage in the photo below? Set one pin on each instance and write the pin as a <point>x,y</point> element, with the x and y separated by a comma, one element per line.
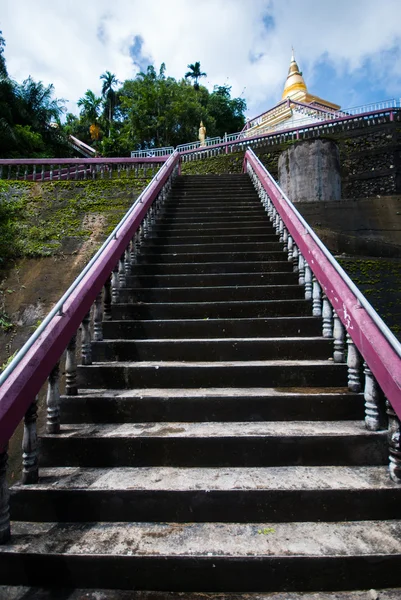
<point>149,111</point>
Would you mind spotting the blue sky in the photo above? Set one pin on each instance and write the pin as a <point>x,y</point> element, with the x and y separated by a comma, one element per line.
<point>349,51</point>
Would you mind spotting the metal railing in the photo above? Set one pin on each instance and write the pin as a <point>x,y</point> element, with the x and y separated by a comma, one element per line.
<point>167,150</point>
<point>57,169</point>
<point>97,285</point>
<point>344,311</point>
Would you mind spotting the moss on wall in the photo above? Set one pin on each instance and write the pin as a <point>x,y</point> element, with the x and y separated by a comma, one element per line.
<point>38,219</point>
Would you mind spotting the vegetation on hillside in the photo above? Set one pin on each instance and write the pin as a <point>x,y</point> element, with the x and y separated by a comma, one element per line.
<point>151,110</point>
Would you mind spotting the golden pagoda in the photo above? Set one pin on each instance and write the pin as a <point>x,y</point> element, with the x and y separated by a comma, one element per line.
<point>297,106</point>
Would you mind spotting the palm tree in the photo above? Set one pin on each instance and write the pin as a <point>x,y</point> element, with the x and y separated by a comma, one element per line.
<point>195,73</point>
<point>89,105</point>
<point>108,93</point>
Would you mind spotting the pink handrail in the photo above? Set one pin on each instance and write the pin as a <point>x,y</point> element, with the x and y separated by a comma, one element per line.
<point>25,380</point>
<point>379,348</point>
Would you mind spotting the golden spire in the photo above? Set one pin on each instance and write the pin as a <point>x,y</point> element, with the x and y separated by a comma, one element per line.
<point>295,82</point>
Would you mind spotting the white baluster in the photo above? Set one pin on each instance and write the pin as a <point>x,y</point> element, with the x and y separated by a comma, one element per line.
<point>354,365</point>
<point>86,341</point>
<point>308,282</point>
<point>53,401</point>
<point>327,315</point>
<point>339,339</point>
<point>317,298</point>
<point>301,269</point>
<point>71,388</point>
<point>98,318</point>
<point>374,402</point>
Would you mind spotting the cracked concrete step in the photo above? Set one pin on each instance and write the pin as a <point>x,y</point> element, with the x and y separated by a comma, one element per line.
<point>211,310</point>
<point>212,279</point>
<point>276,494</point>
<point>23,593</point>
<point>205,556</point>
<point>209,328</point>
<point>215,444</point>
<point>265,266</point>
<point>295,348</point>
<point>211,404</point>
<point>199,257</point>
<point>217,293</point>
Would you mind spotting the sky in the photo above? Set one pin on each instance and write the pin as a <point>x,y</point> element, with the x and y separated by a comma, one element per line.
<point>349,50</point>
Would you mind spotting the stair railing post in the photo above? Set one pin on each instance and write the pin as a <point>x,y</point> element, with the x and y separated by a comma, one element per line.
<point>308,282</point>
<point>394,443</point>
<point>127,260</point>
<point>122,281</point>
<point>354,366</point>
<point>327,318</point>
<point>30,468</point>
<point>115,285</point>
<point>285,239</point>
<point>53,400</point>
<point>301,269</point>
<point>290,248</point>
<point>316,298</point>
<point>107,300</point>
<point>339,339</point>
<point>5,531</point>
<point>86,341</point>
<point>98,318</point>
<point>71,387</point>
<point>374,402</point>
<point>295,258</point>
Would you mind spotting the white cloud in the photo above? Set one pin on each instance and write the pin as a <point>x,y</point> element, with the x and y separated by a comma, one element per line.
<point>59,42</point>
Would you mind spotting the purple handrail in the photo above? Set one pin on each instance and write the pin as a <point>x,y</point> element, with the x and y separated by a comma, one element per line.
<point>377,345</point>
<point>25,380</point>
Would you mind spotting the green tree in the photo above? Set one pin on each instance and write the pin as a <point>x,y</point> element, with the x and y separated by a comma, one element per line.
<point>109,95</point>
<point>90,107</point>
<point>195,73</point>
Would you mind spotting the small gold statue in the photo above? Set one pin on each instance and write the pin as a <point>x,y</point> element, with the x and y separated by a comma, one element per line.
<point>202,134</point>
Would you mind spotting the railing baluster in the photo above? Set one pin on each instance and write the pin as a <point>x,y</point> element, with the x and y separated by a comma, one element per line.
<point>301,269</point>
<point>339,339</point>
<point>317,298</point>
<point>354,366</point>
<point>107,300</point>
<point>71,386</point>
<point>127,261</point>
<point>327,314</point>
<point>394,442</point>
<point>115,285</point>
<point>98,318</point>
<point>53,400</point>
<point>86,341</point>
<point>122,281</point>
<point>30,468</point>
<point>308,282</point>
<point>4,498</point>
<point>374,402</point>
<point>295,258</point>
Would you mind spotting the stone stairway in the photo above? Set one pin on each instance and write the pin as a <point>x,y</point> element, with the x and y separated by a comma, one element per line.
<point>214,445</point>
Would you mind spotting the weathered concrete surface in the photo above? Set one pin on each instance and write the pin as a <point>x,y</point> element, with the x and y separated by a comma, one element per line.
<point>24,593</point>
<point>356,538</point>
<point>368,226</point>
<point>310,172</point>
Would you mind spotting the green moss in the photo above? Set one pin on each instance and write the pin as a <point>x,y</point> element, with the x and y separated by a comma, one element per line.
<point>39,218</point>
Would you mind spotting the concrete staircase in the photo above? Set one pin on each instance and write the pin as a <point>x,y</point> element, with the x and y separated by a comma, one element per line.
<point>214,445</point>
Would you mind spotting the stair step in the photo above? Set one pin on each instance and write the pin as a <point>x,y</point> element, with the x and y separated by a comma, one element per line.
<point>252,266</point>
<point>242,226</point>
<point>213,349</point>
<point>202,220</point>
<point>205,556</point>
<point>210,280</point>
<point>169,247</point>
<point>211,310</point>
<point>179,494</point>
<point>215,444</point>
<point>211,294</point>
<point>275,373</point>
<point>207,328</point>
<point>199,257</point>
<point>212,404</point>
<point>199,238</point>
<point>20,593</point>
